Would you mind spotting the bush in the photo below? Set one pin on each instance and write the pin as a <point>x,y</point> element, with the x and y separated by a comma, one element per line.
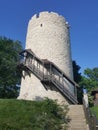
<point>32,115</point>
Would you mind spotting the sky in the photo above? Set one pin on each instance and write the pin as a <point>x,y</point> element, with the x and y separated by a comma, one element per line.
<point>82,15</point>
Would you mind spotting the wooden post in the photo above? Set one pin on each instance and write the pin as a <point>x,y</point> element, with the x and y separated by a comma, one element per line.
<point>62,81</point>
<point>50,72</point>
<point>75,91</point>
<point>43,70</point>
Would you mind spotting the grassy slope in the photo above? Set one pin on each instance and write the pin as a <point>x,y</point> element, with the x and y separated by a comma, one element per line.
<point>95,110</point>
<point>30,115</point>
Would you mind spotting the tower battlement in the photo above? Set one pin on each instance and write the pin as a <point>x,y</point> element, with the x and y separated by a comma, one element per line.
<point>49,17</point>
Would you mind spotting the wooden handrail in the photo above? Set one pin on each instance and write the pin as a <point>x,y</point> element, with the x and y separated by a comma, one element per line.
<point>51,77</point>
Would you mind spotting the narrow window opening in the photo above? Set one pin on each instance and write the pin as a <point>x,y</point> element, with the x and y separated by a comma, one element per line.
<point>37,15</point>
<point>41,25</point>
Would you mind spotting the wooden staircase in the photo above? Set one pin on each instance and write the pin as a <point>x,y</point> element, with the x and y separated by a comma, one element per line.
<point>48,73</point>
<point>77,118</point>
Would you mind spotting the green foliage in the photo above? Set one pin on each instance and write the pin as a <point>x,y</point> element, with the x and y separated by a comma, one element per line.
<point>32,115</point>
<point>76,69</point>
<point>9,78</point>
<point>94,110</point>
<point>77,79</point>
<point>90,81</point>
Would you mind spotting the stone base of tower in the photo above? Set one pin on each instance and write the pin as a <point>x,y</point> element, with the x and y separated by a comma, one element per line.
<point>33,89</point>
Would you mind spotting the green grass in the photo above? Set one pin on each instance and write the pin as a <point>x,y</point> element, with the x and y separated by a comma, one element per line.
<point>94,110</point>
<point>31,115</point>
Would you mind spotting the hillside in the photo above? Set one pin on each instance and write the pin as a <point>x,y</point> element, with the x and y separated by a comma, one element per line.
<point>94,110</point>
<point>31,115</point>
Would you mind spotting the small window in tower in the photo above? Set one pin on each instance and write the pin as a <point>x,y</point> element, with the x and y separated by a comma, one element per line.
<point>41,25</point>
<point>37,15</point>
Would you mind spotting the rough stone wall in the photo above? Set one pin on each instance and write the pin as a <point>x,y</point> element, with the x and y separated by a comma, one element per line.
<point>48,38</point>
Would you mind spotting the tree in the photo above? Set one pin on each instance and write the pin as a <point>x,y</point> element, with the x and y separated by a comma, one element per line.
<point>77,79</point>
<point>9,77</point>
<point>76,69</point>
<point>90,80</point>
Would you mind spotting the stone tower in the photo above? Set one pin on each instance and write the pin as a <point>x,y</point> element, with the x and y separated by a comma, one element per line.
<point>48,37</point>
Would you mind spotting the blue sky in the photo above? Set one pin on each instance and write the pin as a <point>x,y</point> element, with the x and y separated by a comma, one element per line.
<point>82,16</point>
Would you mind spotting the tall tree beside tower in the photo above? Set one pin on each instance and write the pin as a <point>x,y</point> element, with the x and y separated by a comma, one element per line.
<point>9,77</point>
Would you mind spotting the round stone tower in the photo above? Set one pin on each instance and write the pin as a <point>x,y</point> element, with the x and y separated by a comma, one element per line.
<point>48,37</point>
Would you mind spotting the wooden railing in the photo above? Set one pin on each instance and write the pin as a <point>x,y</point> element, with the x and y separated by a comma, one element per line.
<point>47,71</point>
<point>92,121</point>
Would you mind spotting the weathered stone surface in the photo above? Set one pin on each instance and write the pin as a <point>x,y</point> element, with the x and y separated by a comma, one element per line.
<point>48,38</point>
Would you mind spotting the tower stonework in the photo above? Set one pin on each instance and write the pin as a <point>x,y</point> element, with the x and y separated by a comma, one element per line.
<point>48,37</point>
